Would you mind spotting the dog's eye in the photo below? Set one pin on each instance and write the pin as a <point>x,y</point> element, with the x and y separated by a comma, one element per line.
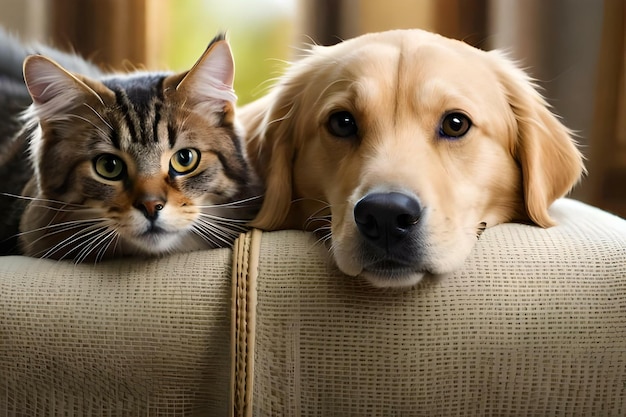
<point>454,125</point>
<point>342,124</point>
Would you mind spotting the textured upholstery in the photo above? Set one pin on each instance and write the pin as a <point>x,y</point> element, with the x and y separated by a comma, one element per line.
<point>534,324</point>
<point>126,338</point>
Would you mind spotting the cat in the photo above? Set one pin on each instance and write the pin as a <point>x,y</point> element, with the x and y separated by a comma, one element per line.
<point>15,169</point>
<point>144,163</point>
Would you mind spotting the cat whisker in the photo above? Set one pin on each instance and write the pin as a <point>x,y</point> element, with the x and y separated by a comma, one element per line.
<point>80,241</point>
<point>89,242</point>
<point>257,198</point>
<point>46,200</point>
<point>223,220</point>
<point>209,237</point>
<point>226,230</point>
<point>234,225</point>
<point>235,204</point>
<point>216,234</point>
<point>115,242</point>
<point>62,227</point>
<point>75,239</point>
<point>101,240</point>
<point>83,249</point>
<point>53,229</point>
<point>65,209</point>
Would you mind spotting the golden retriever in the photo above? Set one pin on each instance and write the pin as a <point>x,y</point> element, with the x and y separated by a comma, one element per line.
<point>407,145</point>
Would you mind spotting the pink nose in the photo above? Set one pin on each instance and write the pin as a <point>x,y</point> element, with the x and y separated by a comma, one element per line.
<point>150,207</point>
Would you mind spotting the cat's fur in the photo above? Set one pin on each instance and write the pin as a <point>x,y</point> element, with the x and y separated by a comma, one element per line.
<point>15,169</point>
<point>136,164</point>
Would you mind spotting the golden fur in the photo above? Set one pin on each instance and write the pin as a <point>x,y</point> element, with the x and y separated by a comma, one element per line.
<point>399,87</point>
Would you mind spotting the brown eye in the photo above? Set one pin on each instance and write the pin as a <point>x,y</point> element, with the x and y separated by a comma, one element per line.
<point>109,167</point>
<point>454,125</point>
<point>184,161</point>
<point>342,124</point>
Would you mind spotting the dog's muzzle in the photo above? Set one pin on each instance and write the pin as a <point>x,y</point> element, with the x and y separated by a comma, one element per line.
<point>386,219</point>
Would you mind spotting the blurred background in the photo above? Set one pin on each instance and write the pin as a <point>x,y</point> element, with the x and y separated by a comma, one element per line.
<point>576,49</point>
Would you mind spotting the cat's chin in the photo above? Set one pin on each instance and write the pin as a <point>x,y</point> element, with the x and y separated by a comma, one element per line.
<point>157,243</point>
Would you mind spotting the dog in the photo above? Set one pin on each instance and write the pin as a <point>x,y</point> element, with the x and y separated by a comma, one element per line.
<point>406,145</point>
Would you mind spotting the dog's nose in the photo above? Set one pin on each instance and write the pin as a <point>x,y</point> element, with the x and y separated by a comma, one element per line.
<point>386,218</point>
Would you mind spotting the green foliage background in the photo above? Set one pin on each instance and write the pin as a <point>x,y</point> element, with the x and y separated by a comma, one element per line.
<point>259,32</point>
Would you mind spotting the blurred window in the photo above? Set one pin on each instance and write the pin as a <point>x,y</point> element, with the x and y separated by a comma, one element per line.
<point>259,32</point>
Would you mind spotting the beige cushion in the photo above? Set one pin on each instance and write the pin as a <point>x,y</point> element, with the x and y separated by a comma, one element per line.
<point>127,338</point>
<point>534,324</point>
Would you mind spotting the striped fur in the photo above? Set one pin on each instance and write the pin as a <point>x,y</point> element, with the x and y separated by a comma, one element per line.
<point>145,163</point>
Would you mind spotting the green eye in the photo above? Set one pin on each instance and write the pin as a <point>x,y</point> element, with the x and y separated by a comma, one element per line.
<point>109,167</point>
<point>184,161</point>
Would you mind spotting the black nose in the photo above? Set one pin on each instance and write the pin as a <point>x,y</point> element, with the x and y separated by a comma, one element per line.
<point>387,218</point>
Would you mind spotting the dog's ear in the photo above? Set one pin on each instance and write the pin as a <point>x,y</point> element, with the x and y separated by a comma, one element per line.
<point>271,148</point>
<point>550,161</point>
<point>276,127</point>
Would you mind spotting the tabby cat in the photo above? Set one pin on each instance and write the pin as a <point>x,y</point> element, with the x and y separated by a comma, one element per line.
<point>143,163</point>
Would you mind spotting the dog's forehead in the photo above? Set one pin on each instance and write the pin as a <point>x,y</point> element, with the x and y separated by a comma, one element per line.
<point>419,69</point>
<point>412,57</point>
<point>401,43</point>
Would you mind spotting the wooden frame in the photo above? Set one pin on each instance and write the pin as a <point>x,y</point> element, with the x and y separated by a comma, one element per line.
<point>607,162</point>
<point>329,21</point>
<point>109,32</point>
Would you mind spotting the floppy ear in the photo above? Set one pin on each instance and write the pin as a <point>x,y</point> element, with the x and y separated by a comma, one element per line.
<point>550,161</point>
<point>271,148</point>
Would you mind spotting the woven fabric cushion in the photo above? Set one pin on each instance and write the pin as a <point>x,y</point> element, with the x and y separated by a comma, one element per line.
<point>125,338</point>
<point>534,324</point>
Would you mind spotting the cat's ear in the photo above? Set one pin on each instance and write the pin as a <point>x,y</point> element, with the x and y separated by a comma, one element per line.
<point>54,90</point>
<point>210,81</point>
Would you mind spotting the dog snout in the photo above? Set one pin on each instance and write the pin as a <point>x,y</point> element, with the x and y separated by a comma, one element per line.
<point>385,219</point>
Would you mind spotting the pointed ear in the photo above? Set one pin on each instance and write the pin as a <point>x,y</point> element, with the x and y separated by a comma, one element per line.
<point>54,90</point>
<point>209,83</point>
<point>550,161</point>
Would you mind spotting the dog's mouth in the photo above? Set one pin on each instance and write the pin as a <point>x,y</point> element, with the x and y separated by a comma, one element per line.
<point>390,274</point>
<point>388,268</point>
<point>391,242</point>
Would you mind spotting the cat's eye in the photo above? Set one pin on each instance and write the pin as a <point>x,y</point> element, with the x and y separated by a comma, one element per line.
<point>184,161</point>
<point>454,125</point>
<point>110,167</point>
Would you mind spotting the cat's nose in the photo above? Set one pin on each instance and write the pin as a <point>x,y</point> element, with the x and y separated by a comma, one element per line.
<point>150,207</point>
